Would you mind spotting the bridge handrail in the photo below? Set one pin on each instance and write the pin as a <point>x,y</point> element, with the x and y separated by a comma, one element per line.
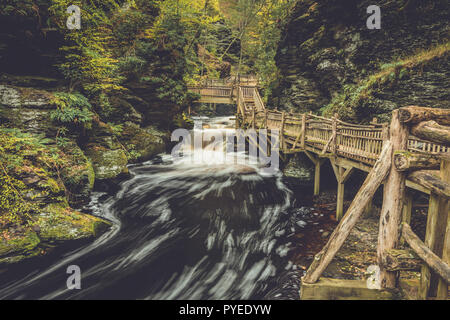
<point>362,143</point>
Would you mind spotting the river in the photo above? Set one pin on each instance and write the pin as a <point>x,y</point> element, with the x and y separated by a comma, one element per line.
<point>181,230</point>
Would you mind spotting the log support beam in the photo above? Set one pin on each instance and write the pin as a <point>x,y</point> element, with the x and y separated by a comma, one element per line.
<point>407,210</point>
<point>342,175</point>
<point>405,160</point>
<point>431,259</point>
<point>354,212</point>
<point>414,114</point>
<point>391,211</point>
<point>317,165</point>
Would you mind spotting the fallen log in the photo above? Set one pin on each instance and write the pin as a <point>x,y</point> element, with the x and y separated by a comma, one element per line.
<point>432,260</point>
<point>415,114</point>
<point>354,212</point>
<point>405,160</point>
<point>431,181</point>
<point>432,131</point>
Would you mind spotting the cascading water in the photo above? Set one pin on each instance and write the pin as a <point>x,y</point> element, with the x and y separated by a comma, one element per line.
<point>181,230</point>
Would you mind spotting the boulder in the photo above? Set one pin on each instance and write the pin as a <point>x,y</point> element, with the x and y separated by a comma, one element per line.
<point>107,155</point>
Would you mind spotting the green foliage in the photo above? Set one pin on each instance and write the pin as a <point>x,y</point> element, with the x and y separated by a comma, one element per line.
<point>89,62</point>
<point>72,109</point>
<point>17,152</point>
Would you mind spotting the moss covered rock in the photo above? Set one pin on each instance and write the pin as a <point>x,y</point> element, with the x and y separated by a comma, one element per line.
<point>141,143</point>
<point>14,248</point>
<point>37,179</point>
<point>78,174</point>
<point>107,155</point>
<point>58,222</point>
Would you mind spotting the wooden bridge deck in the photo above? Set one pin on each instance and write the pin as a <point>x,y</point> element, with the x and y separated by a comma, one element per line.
<point>372,148</point>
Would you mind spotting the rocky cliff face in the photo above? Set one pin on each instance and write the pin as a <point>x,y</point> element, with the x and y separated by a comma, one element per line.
<point>331,62</point>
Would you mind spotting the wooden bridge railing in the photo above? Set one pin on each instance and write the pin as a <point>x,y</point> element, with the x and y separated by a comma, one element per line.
<point>215,91</point>
<point>362,143</point>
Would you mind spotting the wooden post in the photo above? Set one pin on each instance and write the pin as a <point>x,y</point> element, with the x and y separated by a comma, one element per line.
<point>407,210</point>
<point>302,143</point>
<point>354,212</point>
<point>253,118</point>
<point>391,211</point>
<point>334,134</point>
<point>442,293</point>
<point>368,209</point>
<point>318,164</point>
<point>340,195</point>
<point>385,132</point>
<point>265,118</point>
<point>435,235</point>
<point>342,175</point>
<point>283,119</point>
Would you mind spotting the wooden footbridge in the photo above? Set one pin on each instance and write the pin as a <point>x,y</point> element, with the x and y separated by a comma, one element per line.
<point>413,151</point>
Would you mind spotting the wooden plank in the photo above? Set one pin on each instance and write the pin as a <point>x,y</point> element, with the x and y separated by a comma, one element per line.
<point>425,253</point>
<point>337,289</point>
<point>354,212</point>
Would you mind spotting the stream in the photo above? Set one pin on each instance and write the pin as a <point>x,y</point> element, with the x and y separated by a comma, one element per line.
<point>181,230</point>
